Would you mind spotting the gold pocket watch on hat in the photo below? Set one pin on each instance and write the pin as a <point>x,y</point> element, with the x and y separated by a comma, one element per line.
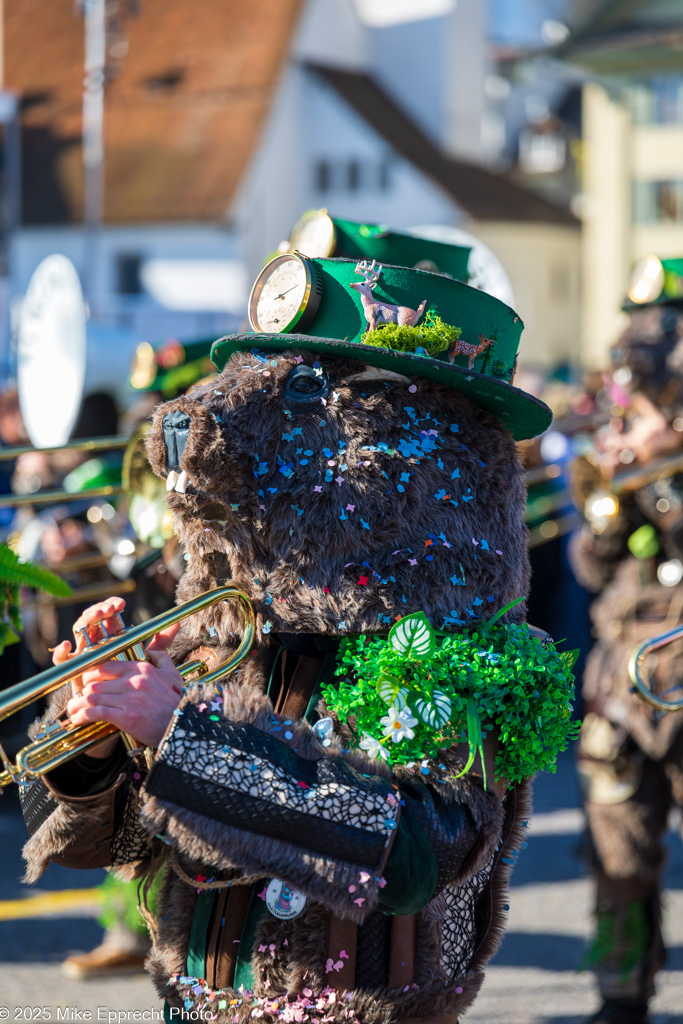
<point>286,294</point>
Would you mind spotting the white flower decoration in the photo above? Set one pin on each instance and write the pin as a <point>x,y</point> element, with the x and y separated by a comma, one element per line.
<point>373,747</point>
<point>398,723</point>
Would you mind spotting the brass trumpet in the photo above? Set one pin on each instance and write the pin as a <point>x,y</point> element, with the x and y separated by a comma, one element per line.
<point>60,742</point>
<point>636,665</point>
<point>597,496</point>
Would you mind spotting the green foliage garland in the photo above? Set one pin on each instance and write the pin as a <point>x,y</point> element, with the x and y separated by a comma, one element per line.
<point>421,691</point>
<point>434,335</point>
<point>14,575</point>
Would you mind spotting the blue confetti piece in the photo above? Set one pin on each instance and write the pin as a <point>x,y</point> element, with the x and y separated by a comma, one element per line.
<point>366,526</point>
<point>342,625</point>
<point>482,464</point>
<point>477,601</point>
<point>303,462</point>
<point>269,599</point>
<point>267,626</point>
<point>430,558</point>
<point>455,475</point>
<point>328,452</point>
<point>454,428</point>
<point>307,451</point>
<point>299,511</point>
<point>485,545</point>
<point>440,464</point>
<point>322,423</point>
<point>400,488</point>
<point>343,515</point>
<point>405,477</point>
<point>440,494</point>
<point>328,475</point>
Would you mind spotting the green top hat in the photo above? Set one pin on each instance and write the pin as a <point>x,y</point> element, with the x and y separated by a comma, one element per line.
<point>472,337</point>
<point>170,367</point>
<point>655,282</point>
<point>316,234</point>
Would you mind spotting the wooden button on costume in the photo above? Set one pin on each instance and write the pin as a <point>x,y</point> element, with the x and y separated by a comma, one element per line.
<point>332,859</point>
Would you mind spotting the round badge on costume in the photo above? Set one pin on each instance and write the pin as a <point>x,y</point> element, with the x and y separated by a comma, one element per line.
<point>284,902</point>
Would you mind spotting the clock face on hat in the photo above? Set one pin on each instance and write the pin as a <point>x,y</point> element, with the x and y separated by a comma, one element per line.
<point>286,294</point>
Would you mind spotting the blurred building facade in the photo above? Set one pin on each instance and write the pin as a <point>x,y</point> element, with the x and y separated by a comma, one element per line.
<point>632,153</point>
<point>224,121</point>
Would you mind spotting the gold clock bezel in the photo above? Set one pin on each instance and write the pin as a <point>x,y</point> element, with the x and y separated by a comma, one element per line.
<point>309,304</point>
<point>306,218</point>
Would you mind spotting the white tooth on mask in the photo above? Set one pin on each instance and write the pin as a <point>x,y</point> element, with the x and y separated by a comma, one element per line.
<point>181,485</point>
<point>171,480</point>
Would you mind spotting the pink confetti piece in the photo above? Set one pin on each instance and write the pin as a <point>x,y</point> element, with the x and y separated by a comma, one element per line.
<point>382,882</point>
<point>352,888</point>
<point>343,955</point>
<point>299,359</point>
<point>412,389</point>
<point>202,707</point>
<point>360,901</point>
<point>350,508</point>
<point>318,488</point>
<point>364,876</point>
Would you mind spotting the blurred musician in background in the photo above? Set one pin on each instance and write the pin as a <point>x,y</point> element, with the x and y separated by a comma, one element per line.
<point>630,758</point>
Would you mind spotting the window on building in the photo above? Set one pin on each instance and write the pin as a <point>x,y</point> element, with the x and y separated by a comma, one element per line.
<point>128,274</point>
<point>658,100</point>
<point>658,202</point>
<point>352,175</point>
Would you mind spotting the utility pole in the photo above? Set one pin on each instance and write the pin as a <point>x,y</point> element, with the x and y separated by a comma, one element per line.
<point>93,147</point>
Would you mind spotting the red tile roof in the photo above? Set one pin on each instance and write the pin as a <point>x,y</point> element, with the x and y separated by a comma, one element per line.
<point>182,114</point>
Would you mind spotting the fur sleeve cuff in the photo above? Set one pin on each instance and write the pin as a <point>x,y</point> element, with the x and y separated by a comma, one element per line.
<point>231,794</point>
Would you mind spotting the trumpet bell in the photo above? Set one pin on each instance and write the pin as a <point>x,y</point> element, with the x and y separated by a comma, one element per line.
<point>145,494</point>
<point>644,684</point>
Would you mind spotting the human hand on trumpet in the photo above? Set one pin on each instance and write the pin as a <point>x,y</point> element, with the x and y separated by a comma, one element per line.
<point>138,697</point>
<point>648,436</point>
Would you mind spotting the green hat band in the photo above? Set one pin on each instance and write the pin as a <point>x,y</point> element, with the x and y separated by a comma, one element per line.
<point>341,313</point>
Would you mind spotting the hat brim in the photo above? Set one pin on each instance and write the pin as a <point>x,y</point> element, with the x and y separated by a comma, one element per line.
<point>522,414</point>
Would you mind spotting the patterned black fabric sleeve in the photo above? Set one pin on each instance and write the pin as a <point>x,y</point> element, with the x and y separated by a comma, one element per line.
<point>241,796</point>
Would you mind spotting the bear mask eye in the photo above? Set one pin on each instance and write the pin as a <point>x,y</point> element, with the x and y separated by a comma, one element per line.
<point>304,388</point>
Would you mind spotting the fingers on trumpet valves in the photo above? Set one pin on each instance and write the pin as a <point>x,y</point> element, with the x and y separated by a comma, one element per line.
<point>98,622</point>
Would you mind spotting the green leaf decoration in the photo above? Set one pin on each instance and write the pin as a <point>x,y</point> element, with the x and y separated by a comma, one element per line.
<point>499,681</point>
<point>499,615</point>
<point>15,574</point>
<point>435,712</point>
<point>413,636</point>
<point>570,658</point>
<point>392,692</point>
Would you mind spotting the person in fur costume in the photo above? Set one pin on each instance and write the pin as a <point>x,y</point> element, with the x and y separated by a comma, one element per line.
<point>341,483</point>
<point>630,756</point>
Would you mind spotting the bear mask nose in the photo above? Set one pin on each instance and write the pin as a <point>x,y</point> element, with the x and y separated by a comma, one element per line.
<point>176,427</point>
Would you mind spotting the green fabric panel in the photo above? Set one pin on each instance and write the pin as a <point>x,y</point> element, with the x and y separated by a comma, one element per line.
<point>410,871</point>
<point>523,415</point>
<point>244,974</point>
<point>376,242</point>
<point>196,950</point>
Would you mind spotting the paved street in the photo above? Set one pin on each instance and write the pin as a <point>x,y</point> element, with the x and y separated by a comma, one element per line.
<point>533,978</point>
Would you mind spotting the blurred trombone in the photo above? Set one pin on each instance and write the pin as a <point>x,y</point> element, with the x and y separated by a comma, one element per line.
<point>644,685</point>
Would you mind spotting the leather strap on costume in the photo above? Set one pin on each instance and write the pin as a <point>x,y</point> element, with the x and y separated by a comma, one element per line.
<point>402,951</point>
<point>293,700</point>
<point>342,937</point>
<point>230,910</point>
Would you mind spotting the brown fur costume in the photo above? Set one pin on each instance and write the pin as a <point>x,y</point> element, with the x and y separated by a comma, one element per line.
<point>381,501</point>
